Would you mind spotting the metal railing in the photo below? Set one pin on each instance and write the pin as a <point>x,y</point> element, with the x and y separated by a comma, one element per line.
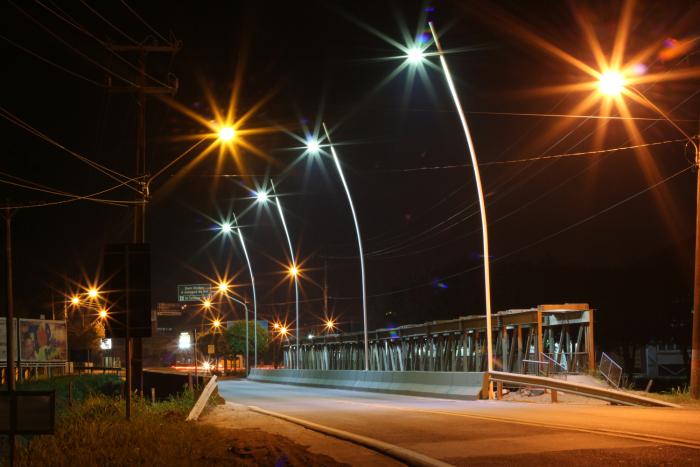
<point>545,366</point>
<point>610,370</point>
<point>595,392</point>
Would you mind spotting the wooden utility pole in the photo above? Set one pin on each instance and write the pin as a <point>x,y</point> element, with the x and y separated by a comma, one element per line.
<point>695,342</point>
<point>9,339</point>
<point>134,361</point>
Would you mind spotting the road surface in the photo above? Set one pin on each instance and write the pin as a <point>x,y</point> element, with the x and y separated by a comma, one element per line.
<point>490,432</point>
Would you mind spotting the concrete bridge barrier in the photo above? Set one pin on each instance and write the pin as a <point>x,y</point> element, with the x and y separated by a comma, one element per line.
<point>447,384</point>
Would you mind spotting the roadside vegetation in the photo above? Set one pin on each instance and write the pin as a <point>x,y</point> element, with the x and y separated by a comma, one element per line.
<point>678,395</point>
<point>93,431</point>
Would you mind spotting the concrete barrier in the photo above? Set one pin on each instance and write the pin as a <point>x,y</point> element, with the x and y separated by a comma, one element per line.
<point>446,384</point>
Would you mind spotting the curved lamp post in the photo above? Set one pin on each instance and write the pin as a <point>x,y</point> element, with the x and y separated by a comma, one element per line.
<point>228,228</point>
<point>263,197</point>
<point>314,146</point>
<point>482,204</point>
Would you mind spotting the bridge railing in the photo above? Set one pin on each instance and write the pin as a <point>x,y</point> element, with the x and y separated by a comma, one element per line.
<point>610,370</point>
<point>545,366</point>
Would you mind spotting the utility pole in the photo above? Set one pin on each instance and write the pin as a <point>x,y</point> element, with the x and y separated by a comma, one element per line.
<point>135,360</point>
<point>695,342</point>
<point>325,288</point>
<point>9,339</point>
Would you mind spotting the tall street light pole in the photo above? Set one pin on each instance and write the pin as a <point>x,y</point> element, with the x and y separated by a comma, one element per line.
<point>359,243</point>
<point>252,285</point>
<point>482,204</point>
<point>612,84</point>
<point>294,272</point>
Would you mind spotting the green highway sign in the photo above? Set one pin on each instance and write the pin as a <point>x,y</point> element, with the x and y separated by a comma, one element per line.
<point>193,292</point>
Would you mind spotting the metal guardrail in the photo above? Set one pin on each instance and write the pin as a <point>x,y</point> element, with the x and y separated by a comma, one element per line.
<point>611,371</point>
<point>605,394</point>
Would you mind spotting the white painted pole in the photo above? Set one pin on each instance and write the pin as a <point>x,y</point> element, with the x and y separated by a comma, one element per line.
<point>294,263</point>
<point>482,204</point>
<point>359,244</point>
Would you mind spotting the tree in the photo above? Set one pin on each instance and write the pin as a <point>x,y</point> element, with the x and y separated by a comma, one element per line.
<point>235,338</point>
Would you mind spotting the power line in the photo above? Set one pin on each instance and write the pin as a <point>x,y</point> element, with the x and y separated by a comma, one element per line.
<point>82,29</point>
<point>67,44</point>
<point>120,31</point>
<point>536,158</point>
<point>54,64</point>
<point>547,115</point>
<point>536,242</point>
<point>113,174</point>
<point>30,185</point>
<point>143,21</point>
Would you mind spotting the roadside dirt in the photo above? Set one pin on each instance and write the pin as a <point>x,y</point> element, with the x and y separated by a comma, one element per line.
<point>258,439</point>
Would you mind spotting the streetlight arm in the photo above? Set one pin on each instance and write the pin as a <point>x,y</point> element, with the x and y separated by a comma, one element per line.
<point>658,110</point>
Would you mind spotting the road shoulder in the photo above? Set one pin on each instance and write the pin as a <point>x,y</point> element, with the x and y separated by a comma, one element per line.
<point>236,416</point>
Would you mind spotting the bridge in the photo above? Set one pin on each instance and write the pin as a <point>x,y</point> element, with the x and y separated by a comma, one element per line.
<point>562,332</point>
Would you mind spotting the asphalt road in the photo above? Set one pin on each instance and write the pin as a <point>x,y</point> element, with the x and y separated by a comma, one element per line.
<point>490,432</point>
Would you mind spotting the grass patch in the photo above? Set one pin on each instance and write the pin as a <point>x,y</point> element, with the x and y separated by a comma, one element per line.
<point>83,387</point>
<point>95,432</point>
<point>678,395</point>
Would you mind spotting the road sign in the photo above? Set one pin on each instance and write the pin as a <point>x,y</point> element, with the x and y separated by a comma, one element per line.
<point>210,349</point>
<point>193,292</point>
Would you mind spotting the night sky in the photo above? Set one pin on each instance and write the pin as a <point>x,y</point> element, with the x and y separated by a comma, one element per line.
<point>557,233</point>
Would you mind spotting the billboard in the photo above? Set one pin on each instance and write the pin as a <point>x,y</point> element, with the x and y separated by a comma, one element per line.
<point>193,292</point>
<point>43,340</point>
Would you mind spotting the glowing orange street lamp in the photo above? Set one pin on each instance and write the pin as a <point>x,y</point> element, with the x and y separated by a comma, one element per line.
<point>103,313</point>
<point>227,133</point>
<point>75,300</point>
<point>611,83</point>
<point>330,325</point>
<point>206,303</point>
<point>93,293</point>
<point>222,287</point>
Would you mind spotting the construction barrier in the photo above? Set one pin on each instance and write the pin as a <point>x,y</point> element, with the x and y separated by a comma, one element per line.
<point>447,384</point>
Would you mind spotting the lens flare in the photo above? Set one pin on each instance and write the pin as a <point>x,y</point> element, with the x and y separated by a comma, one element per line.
<point>226,227</point>
<point>611,83</point>
<point>415,55</point>
<point>227,133</point>
<point>312,146</point>
<point>262,196</point>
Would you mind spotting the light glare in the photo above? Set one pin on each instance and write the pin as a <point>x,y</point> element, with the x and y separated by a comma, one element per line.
<point>611,83</point>
<point>415,55</point>
<point>227,133</point>
<point>312,146</point>
<point>262,196</point>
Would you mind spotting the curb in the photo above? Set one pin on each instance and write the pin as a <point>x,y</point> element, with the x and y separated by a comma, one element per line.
<point>401,454</point>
